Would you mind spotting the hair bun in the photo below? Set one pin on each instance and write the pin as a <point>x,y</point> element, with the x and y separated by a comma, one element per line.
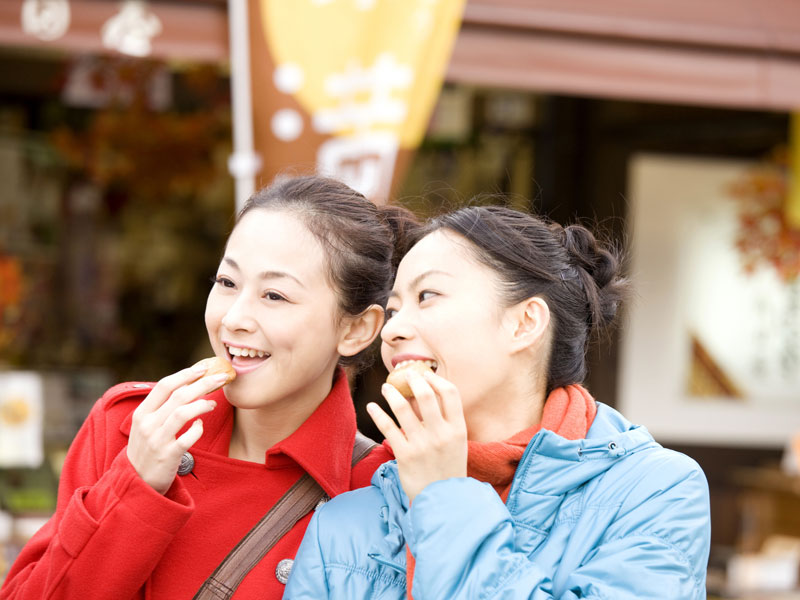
<point>599,267</point>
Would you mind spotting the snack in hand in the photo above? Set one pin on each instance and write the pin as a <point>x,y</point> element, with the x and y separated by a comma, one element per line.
<point>216,365</point>
<point>397,378</point>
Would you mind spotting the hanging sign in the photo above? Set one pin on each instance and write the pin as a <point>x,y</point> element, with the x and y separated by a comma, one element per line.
<point>47,20</point>
<point>792,208</point>
<point>346,87</point>
<point>132,29</point>
<point>21,417</point>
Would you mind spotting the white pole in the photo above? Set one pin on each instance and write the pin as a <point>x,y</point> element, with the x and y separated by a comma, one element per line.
<point>244,163</point>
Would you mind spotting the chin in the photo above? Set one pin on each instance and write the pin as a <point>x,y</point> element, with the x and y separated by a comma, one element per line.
<point>240,397</point>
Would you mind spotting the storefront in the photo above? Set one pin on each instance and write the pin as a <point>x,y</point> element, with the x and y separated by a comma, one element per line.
<point>554,106</point>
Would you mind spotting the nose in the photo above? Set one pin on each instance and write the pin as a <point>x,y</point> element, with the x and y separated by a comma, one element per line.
<point>396,329</point>
<point>239,315</point>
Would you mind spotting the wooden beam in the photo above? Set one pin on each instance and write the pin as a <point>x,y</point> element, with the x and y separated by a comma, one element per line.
<point>190,31</point>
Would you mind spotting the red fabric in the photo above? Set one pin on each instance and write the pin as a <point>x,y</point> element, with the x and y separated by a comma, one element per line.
<point>113,536</point>
<point>568,411</point>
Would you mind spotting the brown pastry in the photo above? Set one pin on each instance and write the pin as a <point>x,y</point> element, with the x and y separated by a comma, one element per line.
<point>397,378</point>
<point>216,365</point>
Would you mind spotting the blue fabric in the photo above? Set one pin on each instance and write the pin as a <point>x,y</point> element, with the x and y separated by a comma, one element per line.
<point>614,516</point>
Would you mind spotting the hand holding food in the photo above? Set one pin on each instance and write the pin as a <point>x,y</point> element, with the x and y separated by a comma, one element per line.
<point>154,447</point>
<point>216,366</point>
<point>431,444</point>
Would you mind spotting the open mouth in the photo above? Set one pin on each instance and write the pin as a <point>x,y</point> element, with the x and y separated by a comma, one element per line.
<point>246,358</point>
<point>430,363</point>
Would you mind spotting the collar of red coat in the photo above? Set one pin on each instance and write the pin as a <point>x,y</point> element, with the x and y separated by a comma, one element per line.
<point>322,446</point>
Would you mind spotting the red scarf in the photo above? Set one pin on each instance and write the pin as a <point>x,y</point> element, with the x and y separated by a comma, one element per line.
<point>568,411</point>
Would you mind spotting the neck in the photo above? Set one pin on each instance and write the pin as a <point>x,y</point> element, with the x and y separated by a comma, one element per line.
<point>505,412</point>
<point>256,430</point>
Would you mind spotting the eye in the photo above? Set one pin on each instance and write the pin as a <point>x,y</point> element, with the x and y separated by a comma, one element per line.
<point>274,296</point>
<point>426,295</point>
<point>223,281</point>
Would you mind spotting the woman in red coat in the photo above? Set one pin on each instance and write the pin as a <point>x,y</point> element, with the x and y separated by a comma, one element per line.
<point>164,479</point>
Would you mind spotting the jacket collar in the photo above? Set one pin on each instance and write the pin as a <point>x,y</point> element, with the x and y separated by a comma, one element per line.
<point>322,446</point>
<point>551,465</point>
<point>610,437</point>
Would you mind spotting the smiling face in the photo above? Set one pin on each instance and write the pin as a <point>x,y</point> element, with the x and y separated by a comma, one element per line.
<point>273,313</point>
<point>445,307</point>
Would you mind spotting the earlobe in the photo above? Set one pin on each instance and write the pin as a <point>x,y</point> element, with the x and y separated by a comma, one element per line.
<point>360,331</point>
<point>531,323</point>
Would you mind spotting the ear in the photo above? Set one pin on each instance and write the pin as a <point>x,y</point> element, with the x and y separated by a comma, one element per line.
<point>359,331</point>
<point>531,318</point>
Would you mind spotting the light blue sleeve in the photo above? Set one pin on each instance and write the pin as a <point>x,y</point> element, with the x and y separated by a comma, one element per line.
<point>307,580</point>
<point>653,546</point>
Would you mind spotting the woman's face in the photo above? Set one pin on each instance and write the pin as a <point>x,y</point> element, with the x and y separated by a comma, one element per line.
<point>445,307</point>
<point>273,314</point>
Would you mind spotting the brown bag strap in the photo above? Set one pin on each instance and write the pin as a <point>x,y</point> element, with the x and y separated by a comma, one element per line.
<point>292,506</point>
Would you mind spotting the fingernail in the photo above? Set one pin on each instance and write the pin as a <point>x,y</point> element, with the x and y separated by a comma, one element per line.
<point>199,367</point>
<point>213,404</point>
<point>220,378</point>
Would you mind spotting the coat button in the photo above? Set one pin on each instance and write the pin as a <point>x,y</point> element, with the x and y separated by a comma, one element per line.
<point>283,570</point>
<point>187,464</point>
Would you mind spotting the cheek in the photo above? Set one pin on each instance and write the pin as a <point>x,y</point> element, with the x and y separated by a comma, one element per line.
<point>305,330</point>
<point>385,356</point>
<point>216,308</point>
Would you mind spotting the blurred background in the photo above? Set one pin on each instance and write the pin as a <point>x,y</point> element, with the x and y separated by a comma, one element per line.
<point>130,131</point>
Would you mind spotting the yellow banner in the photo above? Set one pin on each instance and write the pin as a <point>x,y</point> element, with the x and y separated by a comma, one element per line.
<point>354,81</point>
<point>793,199</point>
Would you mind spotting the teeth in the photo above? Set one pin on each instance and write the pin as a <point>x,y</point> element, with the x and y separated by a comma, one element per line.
<point>251,352</point>
<point>431,363</point>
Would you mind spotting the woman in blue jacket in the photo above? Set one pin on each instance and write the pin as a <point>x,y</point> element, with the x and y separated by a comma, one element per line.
<point>510,481</point>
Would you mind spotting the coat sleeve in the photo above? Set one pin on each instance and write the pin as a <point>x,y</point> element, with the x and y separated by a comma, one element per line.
<point>655,546</point>
<point>109,529</point>
<point>309,581</point>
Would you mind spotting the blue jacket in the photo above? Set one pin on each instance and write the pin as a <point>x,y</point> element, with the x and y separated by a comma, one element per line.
<point>614,516</point>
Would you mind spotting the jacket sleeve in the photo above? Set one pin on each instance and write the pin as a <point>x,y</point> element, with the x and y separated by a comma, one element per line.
<point>654,545</point>
<point>311,583</point>
<point>109,529</point>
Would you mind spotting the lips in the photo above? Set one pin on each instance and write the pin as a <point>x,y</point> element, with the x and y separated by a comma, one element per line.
<point>403,359</point>
<point>245,359</point>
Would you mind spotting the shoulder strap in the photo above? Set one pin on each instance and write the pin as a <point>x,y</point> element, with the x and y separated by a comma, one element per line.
<point>361,447</point>
<point>303,496</point>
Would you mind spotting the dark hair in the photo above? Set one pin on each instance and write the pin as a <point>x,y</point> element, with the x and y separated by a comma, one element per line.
<point>362,240</point>
<point>577,275</point>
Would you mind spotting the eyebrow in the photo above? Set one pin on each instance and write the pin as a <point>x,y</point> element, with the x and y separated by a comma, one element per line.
<point>415,282</point>
<point>271,274</point>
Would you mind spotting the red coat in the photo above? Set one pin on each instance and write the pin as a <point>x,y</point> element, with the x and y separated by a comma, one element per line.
<point>113,536</point>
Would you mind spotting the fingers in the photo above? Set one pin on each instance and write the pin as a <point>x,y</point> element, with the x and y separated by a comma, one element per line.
<point>438,400</point>
<point>183,414</point>
<point>154,446</point>
<point>409,422</point>
<point>187,394</point>
<point>162,390</point>
<point>426,399</point>
<point>190,436</point>
<point>386,426</point>
<point>450,399</point>
<point>429,449</point>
